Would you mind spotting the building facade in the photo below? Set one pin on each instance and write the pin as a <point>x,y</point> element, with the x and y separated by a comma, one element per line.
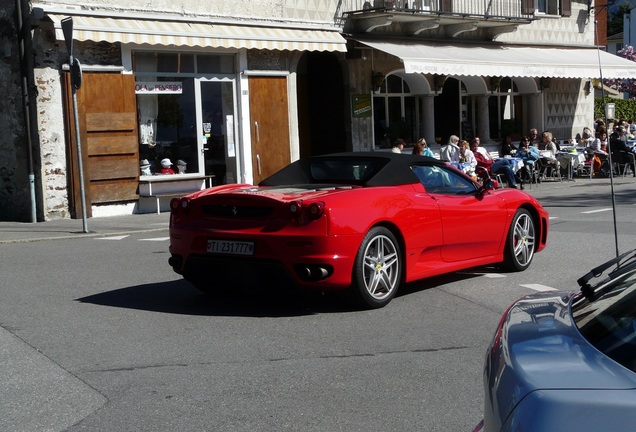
<point>238,90</point>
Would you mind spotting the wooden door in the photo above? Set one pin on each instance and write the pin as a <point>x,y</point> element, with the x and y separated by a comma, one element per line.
<point>269,124</point>
<point>107,117</point>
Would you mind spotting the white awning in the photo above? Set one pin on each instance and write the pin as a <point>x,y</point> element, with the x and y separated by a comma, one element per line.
<point>198,34</point>
<point>506,60</point>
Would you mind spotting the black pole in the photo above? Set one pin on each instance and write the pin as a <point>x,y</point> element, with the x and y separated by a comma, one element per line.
<point>609,141</point>
<point>24,38</point>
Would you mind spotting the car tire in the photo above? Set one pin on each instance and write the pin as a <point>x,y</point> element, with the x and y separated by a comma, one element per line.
<point>377,270</point>
<point>520,242</point>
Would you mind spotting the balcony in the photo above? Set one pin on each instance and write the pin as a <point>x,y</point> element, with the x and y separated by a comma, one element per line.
<point>435,18</point>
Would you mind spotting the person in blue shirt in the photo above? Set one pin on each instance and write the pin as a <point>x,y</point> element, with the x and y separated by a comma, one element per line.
<point>426,151</point>
<point>530,155</point>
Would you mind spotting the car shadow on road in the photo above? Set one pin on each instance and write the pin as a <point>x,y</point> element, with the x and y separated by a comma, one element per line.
<point>445,279</point>
<point>179,297</point>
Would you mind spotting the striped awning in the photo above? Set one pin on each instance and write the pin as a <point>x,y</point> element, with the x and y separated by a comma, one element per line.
<point>505,60</point>
<point>198,34</point>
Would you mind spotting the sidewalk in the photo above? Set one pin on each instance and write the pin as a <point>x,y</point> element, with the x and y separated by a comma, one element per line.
<point>552,188</point>
<point>18,232</point>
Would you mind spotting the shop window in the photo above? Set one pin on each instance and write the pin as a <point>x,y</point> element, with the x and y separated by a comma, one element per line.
<point>173,91</point>
<point>167,126</point>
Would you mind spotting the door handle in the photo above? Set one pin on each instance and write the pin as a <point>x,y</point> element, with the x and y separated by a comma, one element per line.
<point>258,163</point>
<point>258,135</point>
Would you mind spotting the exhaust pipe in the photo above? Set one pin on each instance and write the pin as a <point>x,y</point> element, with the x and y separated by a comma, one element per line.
<point>313,273</point>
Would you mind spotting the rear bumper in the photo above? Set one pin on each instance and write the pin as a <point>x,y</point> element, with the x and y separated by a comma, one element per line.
<point>273,253</point>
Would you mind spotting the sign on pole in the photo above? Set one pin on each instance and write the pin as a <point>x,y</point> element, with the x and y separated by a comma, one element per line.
<point>76,82</point>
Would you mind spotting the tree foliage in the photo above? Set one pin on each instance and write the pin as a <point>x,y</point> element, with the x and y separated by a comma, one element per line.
<point>625,108</point>
<point>625,85</point>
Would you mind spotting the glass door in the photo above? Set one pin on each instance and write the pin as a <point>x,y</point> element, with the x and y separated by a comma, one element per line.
<point>216,127</point>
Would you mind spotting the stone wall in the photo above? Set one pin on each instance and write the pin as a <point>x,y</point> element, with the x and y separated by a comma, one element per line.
<point>14,182</point>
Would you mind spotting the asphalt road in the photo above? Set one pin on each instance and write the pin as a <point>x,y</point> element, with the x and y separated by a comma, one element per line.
<point>98,334</point>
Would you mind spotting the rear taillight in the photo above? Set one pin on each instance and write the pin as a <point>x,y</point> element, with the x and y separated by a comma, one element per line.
<point>315,210</point>
<point>180,206</point>
<point>295,209</point>
<point>302,212</point>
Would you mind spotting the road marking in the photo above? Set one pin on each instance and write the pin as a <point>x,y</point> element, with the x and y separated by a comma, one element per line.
<point>112,237</point>
<point>539,287</point>
<point>597,211</point>
<point>488,275</point>
<point>553,217</point>
<point>156,239</point>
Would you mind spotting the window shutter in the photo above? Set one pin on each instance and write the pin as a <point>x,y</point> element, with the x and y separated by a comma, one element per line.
<point>566,8</point>
<point>527,7</point>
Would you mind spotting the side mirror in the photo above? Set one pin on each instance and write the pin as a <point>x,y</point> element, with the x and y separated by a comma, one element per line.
<point>488,185</point>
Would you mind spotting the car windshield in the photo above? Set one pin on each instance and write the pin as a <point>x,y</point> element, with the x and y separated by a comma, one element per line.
<point>606,316</point>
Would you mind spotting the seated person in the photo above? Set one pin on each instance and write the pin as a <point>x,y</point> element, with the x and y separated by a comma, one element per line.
<point>450,151</point>
<point>501,166</point>
<point>467,158</point>
<point>530,155</point>
<point>426,151</point>
<point>548,163</point>
<point>618,144</point>
<point>507,148</point>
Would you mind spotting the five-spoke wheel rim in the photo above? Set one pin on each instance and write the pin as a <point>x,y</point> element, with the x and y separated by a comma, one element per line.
<point>381,267</point>
<point>523,239</point>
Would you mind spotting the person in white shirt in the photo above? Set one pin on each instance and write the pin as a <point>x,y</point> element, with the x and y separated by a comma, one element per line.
<point>467,158</point>
<point>398,146</point>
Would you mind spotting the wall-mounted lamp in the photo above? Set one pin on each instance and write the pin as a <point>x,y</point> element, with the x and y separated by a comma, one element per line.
<point>495,82</point>
<point>587,87</point>
<point>377,79</point>
<point>438,82</point>
<point>544,83</point>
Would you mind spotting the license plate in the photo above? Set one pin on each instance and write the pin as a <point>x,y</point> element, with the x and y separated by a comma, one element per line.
<point>231,247</point>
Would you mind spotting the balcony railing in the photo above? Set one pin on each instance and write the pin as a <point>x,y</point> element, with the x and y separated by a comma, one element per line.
<point>480,9</point>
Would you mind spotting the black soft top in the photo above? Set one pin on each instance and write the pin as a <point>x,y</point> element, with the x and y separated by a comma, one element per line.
<point>359,168</point>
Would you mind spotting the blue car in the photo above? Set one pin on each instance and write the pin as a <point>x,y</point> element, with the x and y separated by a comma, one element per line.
<point>567,361</point>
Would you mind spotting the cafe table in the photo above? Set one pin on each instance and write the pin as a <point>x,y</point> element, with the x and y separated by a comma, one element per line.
<point>571,160</point>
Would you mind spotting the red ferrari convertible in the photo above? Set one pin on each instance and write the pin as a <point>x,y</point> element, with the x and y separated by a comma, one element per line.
<point>364,222</point>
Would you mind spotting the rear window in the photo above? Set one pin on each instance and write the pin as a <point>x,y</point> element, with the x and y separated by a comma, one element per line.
<point>338,170</point>
<point>608,321</point>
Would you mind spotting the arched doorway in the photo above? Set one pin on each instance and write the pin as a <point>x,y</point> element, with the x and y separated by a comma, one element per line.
<point>321,104</point>
<point>451,111</point>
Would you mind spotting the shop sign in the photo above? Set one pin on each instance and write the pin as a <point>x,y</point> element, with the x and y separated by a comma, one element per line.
<point>361,105</point>
<point>159,87</point>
